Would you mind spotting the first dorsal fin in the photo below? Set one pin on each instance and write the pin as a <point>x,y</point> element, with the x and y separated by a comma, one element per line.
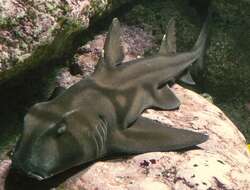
<point>168,44</point>
<point>113,52</point>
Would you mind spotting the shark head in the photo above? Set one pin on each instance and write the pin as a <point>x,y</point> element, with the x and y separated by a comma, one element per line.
<point>51,143</point>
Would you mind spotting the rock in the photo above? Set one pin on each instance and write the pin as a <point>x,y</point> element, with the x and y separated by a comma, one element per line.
<point>221,163</point>
<point>4,169</point>
<point>134,41</point>
<point>207,97</point>
<point>36,31</point>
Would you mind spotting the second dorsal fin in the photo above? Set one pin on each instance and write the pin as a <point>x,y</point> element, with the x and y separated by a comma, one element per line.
<point>168,44</point>
<point>187,78</point>
<point>113,52</point>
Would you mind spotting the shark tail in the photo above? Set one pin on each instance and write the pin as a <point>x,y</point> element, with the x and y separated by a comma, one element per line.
<point>201,40</point>
<point>197,68</point>
<point>168,48</point>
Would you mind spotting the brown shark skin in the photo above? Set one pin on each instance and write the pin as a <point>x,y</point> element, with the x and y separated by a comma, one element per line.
<point>100,115</point>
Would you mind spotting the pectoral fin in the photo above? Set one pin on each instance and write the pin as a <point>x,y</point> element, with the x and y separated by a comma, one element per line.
<point>146,135</point>
<point>113,52</point>
<point>165,99</point>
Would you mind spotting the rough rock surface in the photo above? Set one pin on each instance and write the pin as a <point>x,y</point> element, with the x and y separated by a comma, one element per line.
<point>221,163</point>
<point>4,169</point>
<point>134,42</point>
<point>27,26</point>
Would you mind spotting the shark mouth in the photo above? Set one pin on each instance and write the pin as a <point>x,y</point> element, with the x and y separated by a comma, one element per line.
<point>37,176</point>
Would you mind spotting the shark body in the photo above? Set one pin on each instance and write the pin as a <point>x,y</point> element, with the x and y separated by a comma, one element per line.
<point>100,115</point>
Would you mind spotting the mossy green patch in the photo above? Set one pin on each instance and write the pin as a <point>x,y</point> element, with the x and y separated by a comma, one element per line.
<point>63,45</point>
<point>237,112</point>
<point>228,54</point>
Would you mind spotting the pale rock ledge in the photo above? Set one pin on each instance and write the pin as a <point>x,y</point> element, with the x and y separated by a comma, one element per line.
<point>223,162</point>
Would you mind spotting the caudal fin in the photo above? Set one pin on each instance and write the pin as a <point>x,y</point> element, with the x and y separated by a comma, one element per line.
<point>198,67</point>
<point>168,48</point>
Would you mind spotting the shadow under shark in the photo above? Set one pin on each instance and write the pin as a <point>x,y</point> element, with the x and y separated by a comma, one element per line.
<point>100,115</point>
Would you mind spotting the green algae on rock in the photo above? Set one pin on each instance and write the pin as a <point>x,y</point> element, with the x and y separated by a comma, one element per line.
<point>30,30</point>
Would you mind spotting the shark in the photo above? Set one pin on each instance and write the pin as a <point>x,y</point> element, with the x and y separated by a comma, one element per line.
<point>101,114</point>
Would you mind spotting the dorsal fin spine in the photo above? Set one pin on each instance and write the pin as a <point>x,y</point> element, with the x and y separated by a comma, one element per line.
<point>168,44</point>
<point>113,51</point>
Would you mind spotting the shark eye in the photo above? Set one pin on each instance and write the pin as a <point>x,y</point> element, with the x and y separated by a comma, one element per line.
<point>61,129</point>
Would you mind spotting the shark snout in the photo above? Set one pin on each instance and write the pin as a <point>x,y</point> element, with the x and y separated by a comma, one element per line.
<point>28,169</point>
<point>39,176</point>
